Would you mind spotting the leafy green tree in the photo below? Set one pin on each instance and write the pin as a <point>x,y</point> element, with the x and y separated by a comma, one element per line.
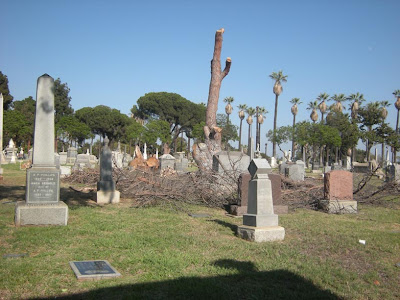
<point>369,117</point>
<point>103,120</point>
<point>62,100</point>
<point>7,98</point>
<point>198,131</point>
<point>229,131</point>
<point>179,112</point>
<point>156,130</point>
<point>17,127</point>
<point>279,78</point>
<point>72,129</point>
<point>27,108</point>
<point>134,132</point>
<point>348,130</point>
<point>280,136</point>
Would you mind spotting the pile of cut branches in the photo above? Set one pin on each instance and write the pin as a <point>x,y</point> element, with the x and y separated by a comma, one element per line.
<point>303,194</point>
<point>147,187</point>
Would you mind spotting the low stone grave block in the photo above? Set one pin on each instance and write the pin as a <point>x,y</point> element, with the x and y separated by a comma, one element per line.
<point>93,269</point>
<point>338,192</point>
<point>167,161</point>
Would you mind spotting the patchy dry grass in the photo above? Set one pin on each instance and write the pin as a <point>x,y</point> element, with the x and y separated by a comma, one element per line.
<point>162,253</point>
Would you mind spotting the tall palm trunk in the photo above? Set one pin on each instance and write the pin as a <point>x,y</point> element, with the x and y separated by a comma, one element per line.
<point>394,158</point>
<point>240,135</point>
<point>275,116</point>
<point>294,124</point>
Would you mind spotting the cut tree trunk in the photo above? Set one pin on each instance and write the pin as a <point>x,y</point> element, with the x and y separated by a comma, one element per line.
<point>203,153</point>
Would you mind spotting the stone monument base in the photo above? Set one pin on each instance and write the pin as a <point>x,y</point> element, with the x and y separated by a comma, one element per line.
<point>41,214</point>
<point>261,234</point>
<point>106,197</point>
<point>339,206</point>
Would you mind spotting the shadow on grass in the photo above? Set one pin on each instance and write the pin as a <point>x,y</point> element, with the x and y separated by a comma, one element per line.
<point>12,193</point>
<point>72,198</point>
<point>232,227</point>
<point>247,284</point>
<point>76,199</point>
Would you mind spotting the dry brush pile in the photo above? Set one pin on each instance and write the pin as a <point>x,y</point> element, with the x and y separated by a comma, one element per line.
<point>148,187</point>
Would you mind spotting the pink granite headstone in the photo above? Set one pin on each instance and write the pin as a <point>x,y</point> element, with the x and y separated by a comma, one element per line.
<point>338,185</point>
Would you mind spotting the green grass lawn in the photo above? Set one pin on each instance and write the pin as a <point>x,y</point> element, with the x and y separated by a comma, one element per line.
<point>162,253</point>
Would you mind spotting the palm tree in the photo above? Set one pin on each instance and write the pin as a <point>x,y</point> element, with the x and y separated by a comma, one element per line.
<point>278,77</point>
<point>242,109</point>
<point>313,105</point>
<point>322,105</point>
<point>356,99</point>
<point>294,109</point>
<point>396,93</point>
<point>250,111</point>
<point>338,101</point>
<point>384,113</point>
<point>228,107</point>
<point>260,120</point>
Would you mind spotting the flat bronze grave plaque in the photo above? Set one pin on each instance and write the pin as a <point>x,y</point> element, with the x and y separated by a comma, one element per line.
<point>93,269</point>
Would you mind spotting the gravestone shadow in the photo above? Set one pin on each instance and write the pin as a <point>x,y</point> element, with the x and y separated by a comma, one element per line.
<point>248,283</point>
<point>232,227</point>
<point>75,199</point>
<point>12,193</point>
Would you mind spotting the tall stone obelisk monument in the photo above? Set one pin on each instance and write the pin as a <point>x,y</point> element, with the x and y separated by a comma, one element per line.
<point>42,205</point>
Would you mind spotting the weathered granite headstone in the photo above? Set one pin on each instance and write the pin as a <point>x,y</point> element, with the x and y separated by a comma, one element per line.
<point>338,192</point>
<point>167,161</point>
<point>232,161</point>
<point>83,161</point>
<point>117,158</point>
<point>361,167</point>
<point>393,173</point>
<point>181,162</point>
<point>295,171</point>
<point>260,224</point>
<point>106,192</point>
<point>63,158</point>
<point>42,205</point>
<point>72,153</point>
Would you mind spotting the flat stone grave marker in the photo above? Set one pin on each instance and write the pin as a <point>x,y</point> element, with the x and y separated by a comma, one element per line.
<point>93,269</point>
<point>199,215</point>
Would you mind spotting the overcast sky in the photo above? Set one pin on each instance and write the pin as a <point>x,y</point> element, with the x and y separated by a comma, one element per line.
<point>113,52</point>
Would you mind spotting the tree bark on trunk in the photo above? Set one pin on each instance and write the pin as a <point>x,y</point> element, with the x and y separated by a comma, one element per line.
<point>240,135</point>
<point>394,159</point>
<point>275,116</point>
<point>294,124</point>
<point>203,154</point>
